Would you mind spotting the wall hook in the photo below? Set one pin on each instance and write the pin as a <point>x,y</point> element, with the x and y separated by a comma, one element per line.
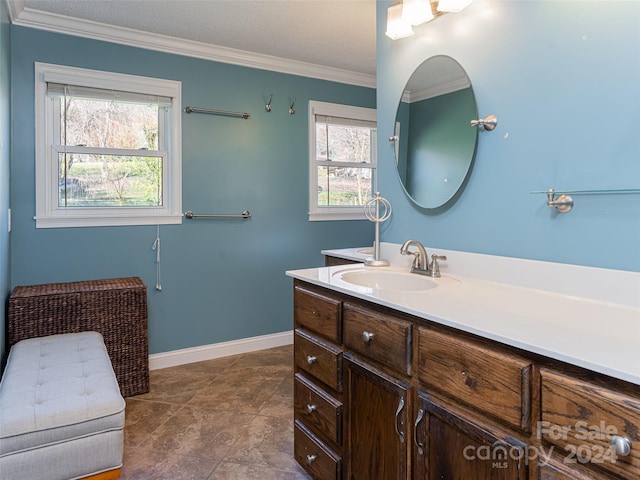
<point>489,122</point>
<point>291,110</point>
<point>267,107</point>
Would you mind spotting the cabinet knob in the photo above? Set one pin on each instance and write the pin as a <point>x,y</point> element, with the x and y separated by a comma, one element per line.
<point>311,359</point>
<point>310,408</point>
<point>311,458</point>
<point>620,445</point>
<point>367,336</point>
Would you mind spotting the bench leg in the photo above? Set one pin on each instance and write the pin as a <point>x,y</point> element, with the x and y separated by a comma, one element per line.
<point>109,475</point>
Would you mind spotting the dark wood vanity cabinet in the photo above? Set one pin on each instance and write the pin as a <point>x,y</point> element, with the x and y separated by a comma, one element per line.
<point>382,395</point>
<point>330,261</point>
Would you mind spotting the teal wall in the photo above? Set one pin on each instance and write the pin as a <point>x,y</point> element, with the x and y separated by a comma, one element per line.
<point>222,279</point>
<point>563,79</point>
<point>5,142</point>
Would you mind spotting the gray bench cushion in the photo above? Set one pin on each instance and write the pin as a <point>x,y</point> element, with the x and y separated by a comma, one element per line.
<point>56,389</point>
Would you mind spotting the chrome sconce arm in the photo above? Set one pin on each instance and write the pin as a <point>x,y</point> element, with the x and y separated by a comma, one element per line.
<point>488,123</point>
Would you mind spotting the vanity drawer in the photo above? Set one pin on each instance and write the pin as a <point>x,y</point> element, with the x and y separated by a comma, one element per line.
<point>317,409</point>
<point>379,337</point>
<point>582,418</point>
<point>318,313</point>
<point>314,456</point>
<point>496,383</point>
<point>320,359</point>
<point>557,469</point>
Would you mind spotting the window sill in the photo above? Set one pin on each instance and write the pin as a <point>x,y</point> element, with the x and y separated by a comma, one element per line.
<point>106,221</point>
<point>319,217</point>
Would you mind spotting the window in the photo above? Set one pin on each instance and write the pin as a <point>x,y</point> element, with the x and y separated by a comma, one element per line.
<point>107,149</point>
<point>342,160</point>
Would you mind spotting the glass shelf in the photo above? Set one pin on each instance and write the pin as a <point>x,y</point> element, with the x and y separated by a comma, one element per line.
<point>590,192</point>
<point>562,201</point>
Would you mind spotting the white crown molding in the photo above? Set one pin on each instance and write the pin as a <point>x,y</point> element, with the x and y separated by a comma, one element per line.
<point>31,18</point>
<point>432,91</point>
<point>15,8</point>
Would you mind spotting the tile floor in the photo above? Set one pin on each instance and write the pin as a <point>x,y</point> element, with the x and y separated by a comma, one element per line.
<point>230,418</point>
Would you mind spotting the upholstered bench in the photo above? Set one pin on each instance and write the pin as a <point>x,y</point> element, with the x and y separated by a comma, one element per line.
<point>61,411</point>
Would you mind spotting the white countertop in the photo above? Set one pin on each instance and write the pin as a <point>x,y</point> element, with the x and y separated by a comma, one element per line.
<point>596,334</point>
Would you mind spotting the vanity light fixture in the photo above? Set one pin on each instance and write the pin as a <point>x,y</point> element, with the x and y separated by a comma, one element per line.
<point>402,14</point>
<point>453,6</point>
<point>416,12</point>
<point>397,27</point>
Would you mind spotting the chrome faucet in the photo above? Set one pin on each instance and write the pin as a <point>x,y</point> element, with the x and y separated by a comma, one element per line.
<point>420,263</point>
<point>420,257</point>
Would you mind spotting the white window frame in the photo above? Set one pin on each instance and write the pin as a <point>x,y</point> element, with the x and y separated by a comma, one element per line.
<point>321,213</point>
<point>48,213</point>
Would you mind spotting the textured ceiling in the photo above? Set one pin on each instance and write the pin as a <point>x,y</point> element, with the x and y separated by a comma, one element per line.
<point>338,34</point>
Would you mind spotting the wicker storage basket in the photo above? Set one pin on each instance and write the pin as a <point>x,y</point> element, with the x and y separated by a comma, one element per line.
<point>117,308</point>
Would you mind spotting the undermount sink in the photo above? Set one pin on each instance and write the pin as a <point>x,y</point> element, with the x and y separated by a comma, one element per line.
<point>388,280</point>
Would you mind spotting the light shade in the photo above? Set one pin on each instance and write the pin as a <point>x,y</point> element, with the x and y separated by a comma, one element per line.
<point>452,5</point>
<point>396,26</point>
<point>416,12</point>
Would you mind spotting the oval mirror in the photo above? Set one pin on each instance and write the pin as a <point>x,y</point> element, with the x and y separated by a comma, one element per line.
<point>434,142</point>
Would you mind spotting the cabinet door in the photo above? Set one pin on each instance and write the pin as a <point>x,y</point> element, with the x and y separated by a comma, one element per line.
<point>448,446</point>
<point>377,426</point>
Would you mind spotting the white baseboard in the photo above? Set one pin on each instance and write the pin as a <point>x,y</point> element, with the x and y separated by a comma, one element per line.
<point>217,350</point>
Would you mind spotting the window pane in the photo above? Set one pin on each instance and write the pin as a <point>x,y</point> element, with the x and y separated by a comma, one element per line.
<point>106,181</point>
<point>323,186</point>
<point>344,186</point>
<point>108,124</point>
<point>342,143</point>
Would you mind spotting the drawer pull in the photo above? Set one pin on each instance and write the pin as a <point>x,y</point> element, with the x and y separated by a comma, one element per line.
<point>400,407</point>
<point>367,336</point>
<point>463,373</point>
<point>311,359</point>
<point>311,459</point>
<point>621,445</point>
<point>311,408</point>
<point>415,432</point>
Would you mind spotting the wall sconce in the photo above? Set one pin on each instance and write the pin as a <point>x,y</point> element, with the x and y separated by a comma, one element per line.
<point>402,14</point>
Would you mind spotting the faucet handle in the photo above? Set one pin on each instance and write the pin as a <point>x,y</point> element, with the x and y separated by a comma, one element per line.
<point>435,266</point>
<point>416,257</point>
